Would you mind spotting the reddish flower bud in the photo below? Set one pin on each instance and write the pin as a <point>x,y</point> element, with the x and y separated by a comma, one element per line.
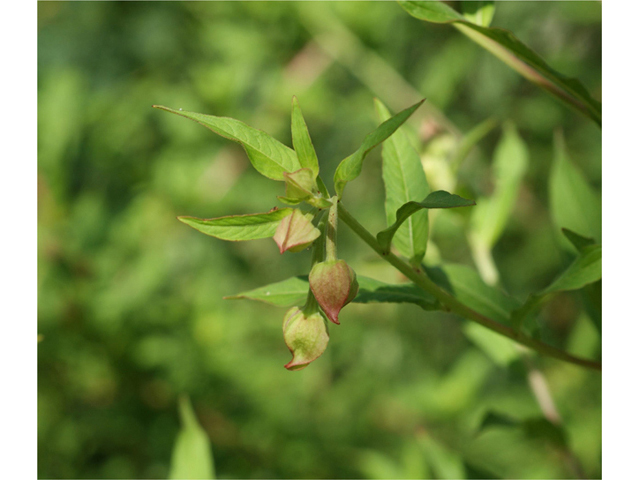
<point>334,285</point>
<point>295,232</point>
<point>306,337</point>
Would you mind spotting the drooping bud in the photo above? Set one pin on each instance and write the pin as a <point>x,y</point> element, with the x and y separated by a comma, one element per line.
<point>306,337</point>
<point>295,232</point>
<point>334,284</point>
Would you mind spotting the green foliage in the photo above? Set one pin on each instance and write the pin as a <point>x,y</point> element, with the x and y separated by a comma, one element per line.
<point>130,309</point>
<point>350,168</point>
<point>240,227</point>
<point>506,46</point>
<point>268,156</point>
<point>191,456</point>
<point>439,199</point>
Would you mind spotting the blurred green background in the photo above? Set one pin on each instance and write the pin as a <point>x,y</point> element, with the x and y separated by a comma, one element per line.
<point>130,300</point>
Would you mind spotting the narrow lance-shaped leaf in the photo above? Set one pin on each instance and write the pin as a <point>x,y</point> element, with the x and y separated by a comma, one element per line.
<point>576,240</point>
<point>574,204</point>
<point>439,199</point>
<point>511,159</point>
<point>586,269</point>
<point>404,181</point>
<point>479,12</point>
<point>191,456</point>
<point>506,46</point>
<point>239,227</point>
<point>293,291</point>
<point>301,139</point>
<point>350,168</point>
<point>268,156</point>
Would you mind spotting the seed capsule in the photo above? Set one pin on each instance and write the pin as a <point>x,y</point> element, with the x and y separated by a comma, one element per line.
<point>306,337</point>
<point>334,284</point>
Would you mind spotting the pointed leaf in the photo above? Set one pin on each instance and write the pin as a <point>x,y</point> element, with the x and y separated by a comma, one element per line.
<point>479,12</point>
<point>404,180</point>
<point>350,168</point>
<point>439,199</point>
<point>510,162</point>
<point>293,291</point>
<point>268,156</point>
<point>506,46</point>
<point>301,140</point>
<point>574,204</point>
<point>576,240</point>
<point>467,286</point>
<point>240,227</point>
<point>586,269</point>
<point>191,456</point>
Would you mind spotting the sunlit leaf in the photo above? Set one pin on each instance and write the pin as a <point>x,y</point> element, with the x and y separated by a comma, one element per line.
<point>404,181</point>
<point>586,269</point>
<point>191,456</point>
<point>293,291</point>
<point>506,46</point>
<point>479,12</point>
<point>239,227</point>
<point>439,199</point>
<point>574,204</point>
<point>268,156</point>
<point>301,139</point>
<point>350,168</point>
<point>510,162</point>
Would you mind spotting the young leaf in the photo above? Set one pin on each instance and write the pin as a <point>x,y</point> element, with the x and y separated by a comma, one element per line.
<point>576,240</point>
<point>439,199</point>
<point>268,156</point>
<point>479,12</point>
<point>293,291</point>
<point>350,168</point>
<point>506,46</point>
<point>586,269</point>
<point>301,139</point>
<point>239,227</point>
<point>467,286</point>
<point>191,456</point>
<point>574,204</point>
<point>404,180</point>
<point>510,162</point>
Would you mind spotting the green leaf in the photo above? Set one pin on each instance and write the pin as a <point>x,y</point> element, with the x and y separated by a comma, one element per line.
<point>350,168</point>
<point>574,204</point>
<point>576,240</point>
<point>470,140</point>
<point>510,162</point>
<point>479,12</point>
<point>467,286</point>
<point>442,461</point>
<point>538,428</point>
<point>293,291</point>
<point>439,199</point>
<point>404,180</point>
<point>239,227</point>
<point>586,269</point>
<point>498,348</point>
<point>301,139</point>
<point>268,156</point>
<point>506,46</point>
<point>191,456</point>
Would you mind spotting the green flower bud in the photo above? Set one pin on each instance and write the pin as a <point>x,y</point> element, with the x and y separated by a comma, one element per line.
<point>296,232</point>
<point>334,284</point>
<point>306,337</point>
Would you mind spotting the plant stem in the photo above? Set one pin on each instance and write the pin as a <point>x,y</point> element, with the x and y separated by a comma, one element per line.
<point>332,231</point>
<point>452,304</point>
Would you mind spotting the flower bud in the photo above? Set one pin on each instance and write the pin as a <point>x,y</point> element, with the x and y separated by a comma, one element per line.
<point>334,285</point>
<point>306,337</point>
<point>295,232</point>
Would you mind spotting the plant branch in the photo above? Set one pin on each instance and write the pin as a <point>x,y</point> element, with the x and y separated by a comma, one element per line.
<point>452,304</point>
